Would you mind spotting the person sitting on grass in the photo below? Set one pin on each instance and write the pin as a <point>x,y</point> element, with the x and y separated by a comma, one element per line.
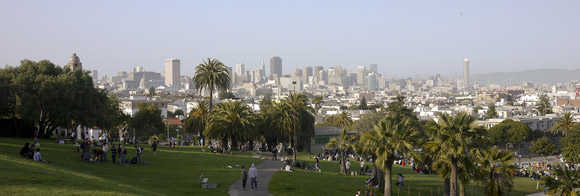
<point>38,156</point>
<point>26,151</point>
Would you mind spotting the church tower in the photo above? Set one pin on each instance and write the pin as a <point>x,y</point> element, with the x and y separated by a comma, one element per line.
<point>74,63</point>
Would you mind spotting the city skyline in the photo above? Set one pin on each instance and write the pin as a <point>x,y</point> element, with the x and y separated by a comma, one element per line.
<point>403,39</point>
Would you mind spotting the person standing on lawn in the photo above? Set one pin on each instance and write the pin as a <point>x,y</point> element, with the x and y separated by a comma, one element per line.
<point>154,147</point>
<point>35,134</point>
<point>122,154</point>
<point>244,176</point>
<point>253,174</point>
<point>114,153</point>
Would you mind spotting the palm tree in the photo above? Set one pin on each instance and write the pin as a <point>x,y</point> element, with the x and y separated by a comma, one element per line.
<point>317,101</point>
<point>497,170</point>
<point>300,111</point>
<point>197,118</point>
<point>390,139</point>
<point>343,119</point>
<point>566,183</point>
<point>211,75</point>
<point>452,140</point>
<point>565,124</point>
<point>231,120</point>
<point>344,143</point>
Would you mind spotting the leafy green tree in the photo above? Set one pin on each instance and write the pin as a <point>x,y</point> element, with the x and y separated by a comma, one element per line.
<point>544,107</point>
<point>509,131</point>
<point>571,147</point>
<point>363,104</point>
<point>453,135</point>
<point>147,121</point>
<point>367,122</point>
<point>389,139</point>
<point>301,111</point>
<point>317,101</point>
<point>344,121</point>
<point>397,109</point>
<point>543,147</point>
<point>566,184</point>
<point>178,112</point>
<point>211,75</point>
<point>491,112</point>
<point>151,92</point>
<point>497,168</point>
<point>233,121</point>
<point>565,124</point>
<point>476,109</point>
<point>226,95</point>
<point>344,143</point>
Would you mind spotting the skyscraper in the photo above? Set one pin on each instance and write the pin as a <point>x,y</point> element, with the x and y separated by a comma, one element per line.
<point>466,72</point>
<point>372,86</point>
<point>276,66</point>
<point>240,69</point>
<point>263,69</point>
<point>374,68</point>
<point>360,76</point>
<point>95,75</point>
<point>172,72</point>
<point>306,72</point>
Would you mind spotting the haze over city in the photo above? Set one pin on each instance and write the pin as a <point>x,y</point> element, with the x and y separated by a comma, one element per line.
<point>404,38</point>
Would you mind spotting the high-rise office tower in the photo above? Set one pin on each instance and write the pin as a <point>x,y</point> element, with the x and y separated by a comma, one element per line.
<point>306,72</point>
<point>360,76</point>
<point>372,86</point>
<point>240,70</point>
<point>466,72</point>
<point>74,63</point>
<point>172,72</point>
<point>95,75</point>
<point>276,66</point>
<point>374,68</point>
<point>263,69</point>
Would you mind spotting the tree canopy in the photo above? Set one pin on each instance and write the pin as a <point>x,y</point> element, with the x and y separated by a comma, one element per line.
<point>509,131</point>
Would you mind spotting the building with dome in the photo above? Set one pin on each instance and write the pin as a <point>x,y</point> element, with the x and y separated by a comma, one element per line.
<point>74,63</point>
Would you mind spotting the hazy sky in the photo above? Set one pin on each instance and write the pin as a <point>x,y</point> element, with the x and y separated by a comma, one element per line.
<point>405,38</point>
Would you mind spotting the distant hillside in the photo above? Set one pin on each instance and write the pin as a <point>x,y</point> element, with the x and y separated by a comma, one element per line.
<point>539,76</point>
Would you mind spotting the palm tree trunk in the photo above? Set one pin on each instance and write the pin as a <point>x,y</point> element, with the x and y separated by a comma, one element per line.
<point>453,180</point>
<point>234,143</point>
<point>446,187</point>
<point>342,164</point>
<point>388,178</point>
<point>462,188</point>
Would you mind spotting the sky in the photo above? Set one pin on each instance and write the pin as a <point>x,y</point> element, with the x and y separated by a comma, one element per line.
<point>405,38</point>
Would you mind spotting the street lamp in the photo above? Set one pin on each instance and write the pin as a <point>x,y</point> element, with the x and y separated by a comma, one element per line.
<point>294,120</point>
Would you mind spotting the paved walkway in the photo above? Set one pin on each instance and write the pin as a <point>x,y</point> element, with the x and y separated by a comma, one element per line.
<point>266,169</point>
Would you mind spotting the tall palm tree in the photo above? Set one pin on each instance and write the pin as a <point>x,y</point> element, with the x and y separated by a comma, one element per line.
<point>565,124</point>
<point>231,120</point>
<point>211,75</point>
<point>343,120</point>
<point>317,101</point>
<point>300,111</point>
<point>344,143</point>
<point>453,140</point>
<point>197,118</point>
<point>390,139</point>
<point>497,170</point>
<point>568,181</point>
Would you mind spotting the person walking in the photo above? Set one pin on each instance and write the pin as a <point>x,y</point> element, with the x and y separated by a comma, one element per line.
<point>35,134</point>
<point>244,176</point>
<point>274,154</point>
<point>114,153</point>
<point>122,154</point>
<point>400,178</point>
<point>253,174</point>
<point>347,166</point>
<point>154,147</point>
<point>362,167</point>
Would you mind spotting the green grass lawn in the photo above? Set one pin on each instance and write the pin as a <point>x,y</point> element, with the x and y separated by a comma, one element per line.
<point>329,182</point>
<point>174,171</point>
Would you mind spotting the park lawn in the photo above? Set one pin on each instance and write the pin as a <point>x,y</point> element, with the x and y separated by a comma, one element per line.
<point>330,182</point>
<point>174,171</point>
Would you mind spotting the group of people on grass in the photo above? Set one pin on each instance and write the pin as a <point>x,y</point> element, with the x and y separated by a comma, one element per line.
<point>28,152</point>
<point>89,154</point>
